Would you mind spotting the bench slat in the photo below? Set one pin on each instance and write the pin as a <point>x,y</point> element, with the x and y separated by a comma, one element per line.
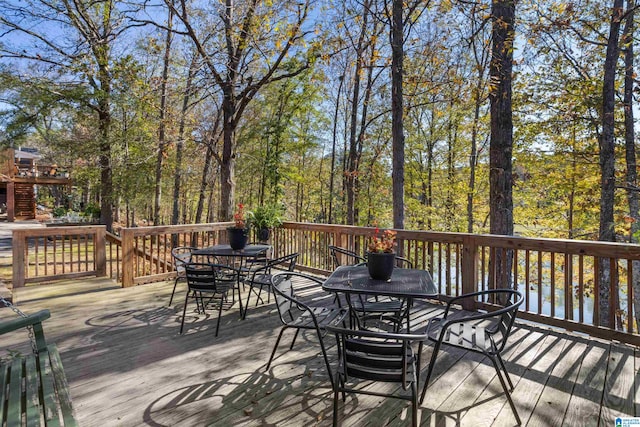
<point>51,415</point>
<point>4,379</point>
<point>14,413</point>
<point>32,390</point>
<point>62,387</point>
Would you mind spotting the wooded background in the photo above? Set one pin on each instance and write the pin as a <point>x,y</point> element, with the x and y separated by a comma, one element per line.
<point>175,111</point>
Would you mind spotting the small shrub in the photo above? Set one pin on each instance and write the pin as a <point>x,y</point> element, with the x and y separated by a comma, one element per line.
<point>59,211</point>
<point>92,211</point>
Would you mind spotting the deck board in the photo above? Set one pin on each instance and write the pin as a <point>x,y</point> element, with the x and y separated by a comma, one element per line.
<point>128,366</point>
<point>554,399</point>
<point>619,386</point>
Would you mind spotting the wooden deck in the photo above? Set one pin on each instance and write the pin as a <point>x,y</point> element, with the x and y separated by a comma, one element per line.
<point>127,366</point>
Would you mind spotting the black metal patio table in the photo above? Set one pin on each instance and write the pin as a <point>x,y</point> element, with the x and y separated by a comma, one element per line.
<point>225,250</point>
<point>406,283</point>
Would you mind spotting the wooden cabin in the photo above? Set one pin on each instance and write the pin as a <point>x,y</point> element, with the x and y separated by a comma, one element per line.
<point>21,170</point>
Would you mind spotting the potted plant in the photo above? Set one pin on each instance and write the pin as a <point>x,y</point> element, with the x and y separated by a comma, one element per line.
<point>238,234</point>
<point>264,218</point>
<point>381,256</point>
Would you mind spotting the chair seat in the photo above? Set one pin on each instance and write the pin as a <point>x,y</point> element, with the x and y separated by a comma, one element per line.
<point>219,288</point>
<point>324,316</point>
<point>464,335</point>
<point>261,279</point>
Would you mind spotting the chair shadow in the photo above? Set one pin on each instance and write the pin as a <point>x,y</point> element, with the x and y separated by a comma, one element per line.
<point>269,398</point>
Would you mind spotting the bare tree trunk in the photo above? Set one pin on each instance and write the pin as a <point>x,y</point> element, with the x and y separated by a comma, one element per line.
<point>353,160</point>
<point>106,172</point>
<point>397,111</point>
<point>501,147</point>
<point>331,214</point>
<point>473,161</point>
<point>162,121</point>
<point>630,154</point>
<point>180,145</point>
<point>607,167</point>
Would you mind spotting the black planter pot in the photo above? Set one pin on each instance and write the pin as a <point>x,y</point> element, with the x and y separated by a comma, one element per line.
<point>237,238</point>
<point>380,265</point>
<point>263,234</point>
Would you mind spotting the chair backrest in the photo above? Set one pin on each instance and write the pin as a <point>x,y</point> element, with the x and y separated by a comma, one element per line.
<point>181,255</point>
<point>285,263</point>
<point>403,262</point>
<point>377,356</point>
<point>208,277</point>
<point>283,286</point>
<point>341,254</point>
<point>505,317</point>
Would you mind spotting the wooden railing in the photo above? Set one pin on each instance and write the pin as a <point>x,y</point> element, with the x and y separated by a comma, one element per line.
<point>45,254</point>
<point>146,251</point>
<point>558,278</point>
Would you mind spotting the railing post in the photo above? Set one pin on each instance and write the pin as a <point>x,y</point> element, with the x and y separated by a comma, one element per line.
<point>127,257</point>
<point>100,251</point>
<point>19,261</point>
<point>469,269</point>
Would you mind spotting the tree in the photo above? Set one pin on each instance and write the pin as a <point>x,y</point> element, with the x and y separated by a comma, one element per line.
<point>89,62</point>
<point>403,15</point>
<point>630,149</point>
<point>162,117</point>
<point>501,145</point>
<point>607,276</point>
<point>256,39</point>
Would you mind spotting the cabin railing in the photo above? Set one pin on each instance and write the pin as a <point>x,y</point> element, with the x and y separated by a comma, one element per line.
<point>146,251</point>
<point>558,278</point>
<point>52,253</point>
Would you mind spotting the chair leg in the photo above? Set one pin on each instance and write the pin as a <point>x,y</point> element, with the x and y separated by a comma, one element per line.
<point>504,369</point>
<point>414,404</point>
<point>219,314</point>
<point>506,390</point>
<point>432,363</point>
<point>335,407</point>
<point>175,284</point>
<point>275,347</point>
<point>246,306</point>
<point>326,359</point>
<point>294,339</point>
<point>184,312</point>
<point>259,293</point>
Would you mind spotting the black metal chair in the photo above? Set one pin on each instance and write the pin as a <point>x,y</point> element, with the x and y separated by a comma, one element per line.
<point>484,333</point>
<point>209,282</point>
<point>261,277</point>
<point>180,255</point>
<point>377,356</point>
<point>297,315</point>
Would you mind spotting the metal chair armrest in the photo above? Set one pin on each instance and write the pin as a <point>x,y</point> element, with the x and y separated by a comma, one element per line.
<point>454,300</point>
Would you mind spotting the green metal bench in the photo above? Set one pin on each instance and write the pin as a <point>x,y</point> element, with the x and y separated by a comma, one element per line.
<point>33,388</point>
